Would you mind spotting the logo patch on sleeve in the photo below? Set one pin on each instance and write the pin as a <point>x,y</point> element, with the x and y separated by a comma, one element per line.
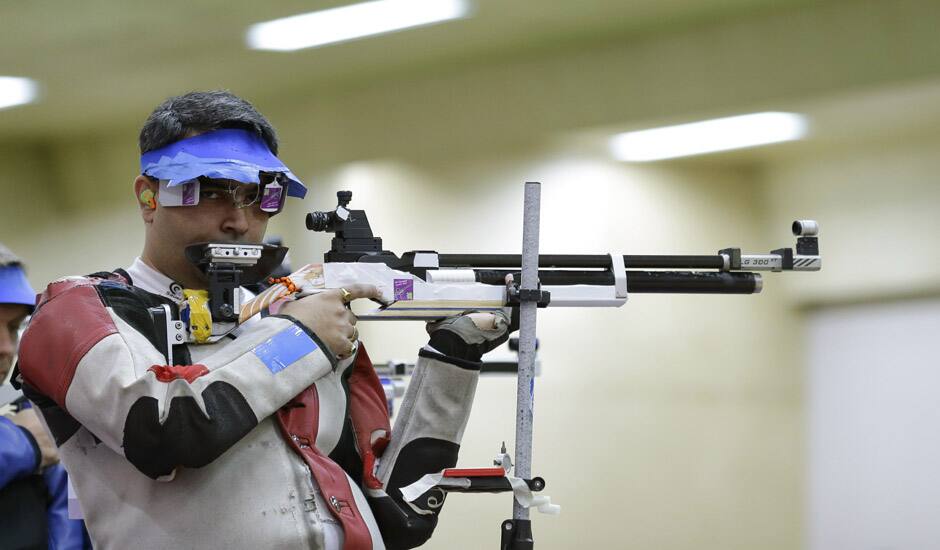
<point>284,348</point>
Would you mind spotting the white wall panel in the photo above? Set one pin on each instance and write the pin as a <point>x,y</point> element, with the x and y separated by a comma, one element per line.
<point>874,416</point>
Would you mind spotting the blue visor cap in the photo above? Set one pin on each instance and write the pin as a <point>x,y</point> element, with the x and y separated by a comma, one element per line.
<point>232,154</point>
<point>14,288</point>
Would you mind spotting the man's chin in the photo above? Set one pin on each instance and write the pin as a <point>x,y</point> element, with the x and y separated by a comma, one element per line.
<point>195,278</point>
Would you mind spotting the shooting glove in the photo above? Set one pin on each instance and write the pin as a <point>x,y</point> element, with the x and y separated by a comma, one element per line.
<point>462,338</point>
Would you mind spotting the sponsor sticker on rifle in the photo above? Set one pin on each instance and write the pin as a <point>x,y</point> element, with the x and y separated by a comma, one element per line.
<point>404,289</point>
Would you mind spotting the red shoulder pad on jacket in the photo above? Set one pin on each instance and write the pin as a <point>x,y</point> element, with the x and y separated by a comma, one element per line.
<point>69,320</point>
<point>368,412</point>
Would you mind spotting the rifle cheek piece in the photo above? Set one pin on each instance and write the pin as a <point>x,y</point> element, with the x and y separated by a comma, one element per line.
<point>229,266</point>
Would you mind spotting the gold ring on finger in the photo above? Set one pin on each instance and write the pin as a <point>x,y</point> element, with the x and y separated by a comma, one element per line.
<point>352,348</point>
<point>347,295</point>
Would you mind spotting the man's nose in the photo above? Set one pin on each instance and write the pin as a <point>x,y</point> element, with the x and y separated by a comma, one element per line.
<point>236,221</point>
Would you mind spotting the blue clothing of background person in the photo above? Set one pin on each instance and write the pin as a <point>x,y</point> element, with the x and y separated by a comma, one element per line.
<point>33,485</point>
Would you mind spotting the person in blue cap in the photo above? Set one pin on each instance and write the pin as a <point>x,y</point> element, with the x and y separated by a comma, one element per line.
<point>16,302</point>
<point>270,434</point>
<point>33,485</point>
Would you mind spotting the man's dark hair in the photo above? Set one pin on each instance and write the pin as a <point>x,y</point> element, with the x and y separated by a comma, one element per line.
<point>196,112</point>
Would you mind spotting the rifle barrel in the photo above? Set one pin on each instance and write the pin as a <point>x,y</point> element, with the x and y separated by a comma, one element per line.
<point>643,282</point>
<point>581,261</point>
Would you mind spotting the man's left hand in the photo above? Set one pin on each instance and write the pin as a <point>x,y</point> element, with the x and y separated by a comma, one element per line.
<point>470,335</point>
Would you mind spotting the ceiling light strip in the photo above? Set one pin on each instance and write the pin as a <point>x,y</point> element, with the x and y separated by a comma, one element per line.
<point>696,138</point>
<point>351,22</point>
<point>16,90</point>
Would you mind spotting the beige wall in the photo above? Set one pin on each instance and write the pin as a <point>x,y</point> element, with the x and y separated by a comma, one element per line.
<point>880,202</point>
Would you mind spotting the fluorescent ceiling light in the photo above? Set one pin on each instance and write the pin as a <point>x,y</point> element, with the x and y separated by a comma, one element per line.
<point>350,22</point>
<point>707,136</point>
<point>15,90</point>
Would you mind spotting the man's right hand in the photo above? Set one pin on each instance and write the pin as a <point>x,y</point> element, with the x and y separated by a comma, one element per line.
<point>327,316</point>
<point>27,419</point>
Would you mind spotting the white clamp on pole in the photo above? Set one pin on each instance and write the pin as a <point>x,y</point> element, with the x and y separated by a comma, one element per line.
<point>620,275</point>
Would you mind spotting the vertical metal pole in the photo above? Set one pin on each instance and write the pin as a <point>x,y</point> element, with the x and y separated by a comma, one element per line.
<point>527,311</point>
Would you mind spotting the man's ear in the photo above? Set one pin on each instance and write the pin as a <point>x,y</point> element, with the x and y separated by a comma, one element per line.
<point>145,189</point>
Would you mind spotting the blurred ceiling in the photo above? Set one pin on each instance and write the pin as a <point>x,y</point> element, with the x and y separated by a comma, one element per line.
<point>858,67</point>
<point>102,62</point>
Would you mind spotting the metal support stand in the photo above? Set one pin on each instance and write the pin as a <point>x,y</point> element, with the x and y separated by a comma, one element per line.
<point>517,532</point>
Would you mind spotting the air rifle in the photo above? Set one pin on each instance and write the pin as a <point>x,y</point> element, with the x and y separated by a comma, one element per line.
<point>428,285</point>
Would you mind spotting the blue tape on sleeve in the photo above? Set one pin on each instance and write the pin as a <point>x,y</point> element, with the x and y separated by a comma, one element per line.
<point>284,348</point>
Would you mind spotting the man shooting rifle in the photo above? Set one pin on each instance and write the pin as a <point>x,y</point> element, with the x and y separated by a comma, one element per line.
<point>183,428</point>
